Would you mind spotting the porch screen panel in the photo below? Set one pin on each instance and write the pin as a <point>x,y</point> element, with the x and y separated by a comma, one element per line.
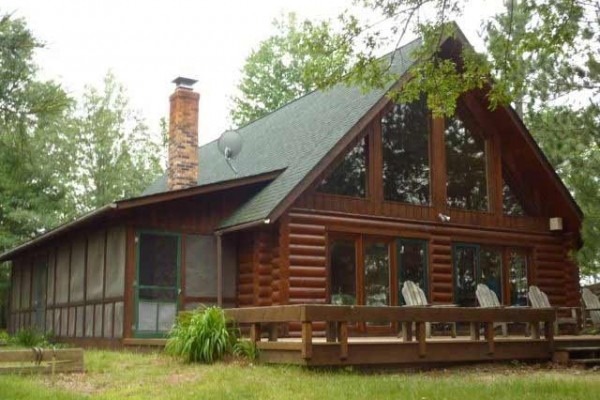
<point>466,165</point>
<point>490,269</point>
<point>77,269</point>
<point>79,328</point>
<point>412,264</point>
<point>16,287</point>
<point>200,266</point>
<point>50,280</point>
<point>405,139</point>
<point>95,266</point>
<point>108,319</point>
<point>465,279</point>
<point>115,262</point>
<point>229,270</point>
<point>62,274</point>
<point>98,314</point>
<point>518,277</point>
<point>25,284</point>
<point>377,274</point>
<point>343,271</point>
<point>89,321</point>
<point>118,324</point>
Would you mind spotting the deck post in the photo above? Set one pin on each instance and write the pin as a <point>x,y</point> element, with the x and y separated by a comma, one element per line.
<point>489,336</point>
<point>331,331</point>
<point>255,332</point>
<point>421,333</point>
<point>407,331</point>
<point>343,338</point>
<point>549,334</point>
<point>535,330</point>
<point>306,339</point>
<point>474,328</point>
<point>273,332</point>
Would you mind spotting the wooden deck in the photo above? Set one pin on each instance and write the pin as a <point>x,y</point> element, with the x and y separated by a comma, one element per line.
<point>337,347</point>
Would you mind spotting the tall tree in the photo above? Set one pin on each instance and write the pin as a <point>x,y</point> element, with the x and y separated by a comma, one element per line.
<point>116,154</point>
<point>280,70</point>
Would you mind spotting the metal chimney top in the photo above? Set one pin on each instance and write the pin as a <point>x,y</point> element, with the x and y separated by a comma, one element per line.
<point>184,83</point>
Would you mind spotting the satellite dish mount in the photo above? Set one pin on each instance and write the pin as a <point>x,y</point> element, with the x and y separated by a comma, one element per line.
<point>230,145</point>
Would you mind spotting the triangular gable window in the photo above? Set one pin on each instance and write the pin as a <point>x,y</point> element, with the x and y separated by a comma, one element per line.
<point>511,204</point>
<point>349,176</point>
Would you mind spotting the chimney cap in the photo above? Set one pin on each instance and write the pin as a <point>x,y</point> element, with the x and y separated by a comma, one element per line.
<point>185,83</point>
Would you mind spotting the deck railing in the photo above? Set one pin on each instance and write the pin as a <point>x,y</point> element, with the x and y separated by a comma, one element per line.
<point>338,318</point>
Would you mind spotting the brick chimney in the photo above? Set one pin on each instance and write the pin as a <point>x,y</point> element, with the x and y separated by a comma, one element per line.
<point>183,135</point>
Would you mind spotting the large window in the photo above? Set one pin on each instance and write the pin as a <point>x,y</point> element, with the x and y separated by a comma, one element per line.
<point>349,177</point>
<point>511,204</point>
<point>405,141</point>
<point>377,274</point>
<point>412,263</point>
<point>466,167</point>
<point>474,264</point>
<point>343,271</point>
<point>517,277</point>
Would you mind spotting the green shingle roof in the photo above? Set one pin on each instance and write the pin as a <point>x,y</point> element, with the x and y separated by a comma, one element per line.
<point>294,138</point>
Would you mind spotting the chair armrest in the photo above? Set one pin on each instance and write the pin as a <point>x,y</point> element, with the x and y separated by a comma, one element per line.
<point>443,305</point>
<point>592,309</point>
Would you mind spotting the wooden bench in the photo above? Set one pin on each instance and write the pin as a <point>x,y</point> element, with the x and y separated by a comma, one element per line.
<point>38,360</point>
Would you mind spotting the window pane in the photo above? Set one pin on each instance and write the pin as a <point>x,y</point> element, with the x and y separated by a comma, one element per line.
<point>465,267</point>
<point>405,140</point>
<point>412,263</point>
<point>377,274</point>
<point>466,165</point>
<point>349,177</point>
<point>511,205</point>
<point>343,272</point>
<point>490,273</point>
<point>158,260</point>
<point>518,278</point>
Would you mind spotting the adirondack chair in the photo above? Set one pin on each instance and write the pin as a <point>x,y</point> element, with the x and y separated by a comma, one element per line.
<point>591,305</point>
<point>415,297</point>
<point>538,299</point>
<point>487,298</point>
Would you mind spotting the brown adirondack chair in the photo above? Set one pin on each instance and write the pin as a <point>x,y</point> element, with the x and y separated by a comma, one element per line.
<point>487,298</point>
<point>538,299</point>
<point>415,297</point>
<point>591,307</point>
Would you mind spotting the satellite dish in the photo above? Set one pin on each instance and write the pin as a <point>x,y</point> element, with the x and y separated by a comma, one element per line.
<point>230,145</point>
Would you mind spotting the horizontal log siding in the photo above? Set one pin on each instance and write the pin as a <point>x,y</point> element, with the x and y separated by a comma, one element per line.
<point>550,267</point>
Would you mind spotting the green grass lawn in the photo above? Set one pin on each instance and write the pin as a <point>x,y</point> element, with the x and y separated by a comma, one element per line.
<point>126,375</point>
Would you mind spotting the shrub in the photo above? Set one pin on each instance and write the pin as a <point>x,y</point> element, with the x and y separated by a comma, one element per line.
<point>246,349</point>
<point>4,338</point>
<point>204,335</point>
<point>28,337</point>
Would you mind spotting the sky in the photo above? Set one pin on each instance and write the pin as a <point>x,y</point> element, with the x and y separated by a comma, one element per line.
<point>146,44</point>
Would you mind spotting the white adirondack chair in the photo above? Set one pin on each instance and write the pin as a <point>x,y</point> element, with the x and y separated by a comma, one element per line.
<point>487,298</point>
<point>415,297</point>
<point>591,306</point>
<point>538,299</point>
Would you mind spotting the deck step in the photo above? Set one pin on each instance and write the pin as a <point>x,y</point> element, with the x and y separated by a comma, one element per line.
<point>578,349</point>
<point>586,361</point>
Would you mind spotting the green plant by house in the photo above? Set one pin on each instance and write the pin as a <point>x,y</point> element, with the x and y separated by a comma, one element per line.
<point>205,336</point>
<point>246,349</point>
<point>28,337</point>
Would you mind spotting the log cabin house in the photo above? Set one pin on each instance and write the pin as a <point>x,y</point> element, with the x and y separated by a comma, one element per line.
<point>339,198</point>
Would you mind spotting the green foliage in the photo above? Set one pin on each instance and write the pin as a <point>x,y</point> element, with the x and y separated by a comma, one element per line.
<point>286,65</point>
<point>246,349</point>
<point>28,337</point>
<point>4,336</point>
<point>204,335</point>
<point>114,156</point>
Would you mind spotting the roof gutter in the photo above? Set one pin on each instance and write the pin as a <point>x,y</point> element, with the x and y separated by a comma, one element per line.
<point>59,230</point>
<point>240,227</point>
